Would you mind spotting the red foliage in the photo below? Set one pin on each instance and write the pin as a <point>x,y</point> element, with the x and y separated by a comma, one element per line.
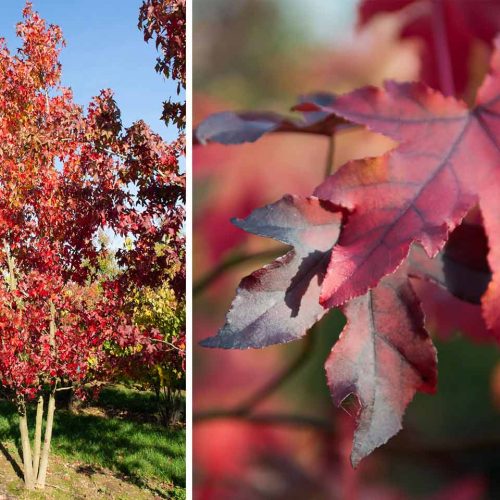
<point>419,204</point>
<point>448,30</point>
<point>66,175</point>
<point>290,282</point>
<point>384,356</point>
<point>165,22</point>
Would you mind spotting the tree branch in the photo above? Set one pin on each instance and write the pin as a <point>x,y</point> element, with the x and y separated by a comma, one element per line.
<point>173,346</point>
<point>245,409</point>
<point>266,419</point>
<point>276,382</point>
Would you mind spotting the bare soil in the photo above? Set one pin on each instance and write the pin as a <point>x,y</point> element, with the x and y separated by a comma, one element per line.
<point>66,481</point>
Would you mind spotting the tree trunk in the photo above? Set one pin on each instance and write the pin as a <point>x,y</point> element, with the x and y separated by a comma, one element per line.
<point>44,461</point>
<point>38,436</point>
<point>65,398</point>
<point>29,478</point>
<point>169,405</point>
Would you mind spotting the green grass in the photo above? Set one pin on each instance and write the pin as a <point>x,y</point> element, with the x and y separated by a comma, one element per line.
<point>123,398</point>
<point>144,453</point>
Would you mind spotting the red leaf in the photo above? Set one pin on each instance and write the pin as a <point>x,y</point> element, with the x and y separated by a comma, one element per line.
<point>463,22</point>
<point>461,268</point>
<point>384,356</point>
<point>445,315</point>
<point>447,160</point>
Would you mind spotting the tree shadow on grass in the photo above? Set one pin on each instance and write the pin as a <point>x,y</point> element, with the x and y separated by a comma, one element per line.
<point>9,431</point>
<point>120,398</point>
<point>141,406</point>
<point>134,451</point>
<point>17,469</point>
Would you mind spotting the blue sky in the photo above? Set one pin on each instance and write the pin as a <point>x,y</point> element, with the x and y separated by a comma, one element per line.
<point>104,49</point>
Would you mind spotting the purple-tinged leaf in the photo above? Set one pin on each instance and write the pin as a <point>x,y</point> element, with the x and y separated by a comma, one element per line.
<point>280,302</point>
<point>383,356</point>
<point>240,127</point>
<point>461,267</point>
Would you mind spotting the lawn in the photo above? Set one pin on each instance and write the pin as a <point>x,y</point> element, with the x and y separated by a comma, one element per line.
<point>115,438</point>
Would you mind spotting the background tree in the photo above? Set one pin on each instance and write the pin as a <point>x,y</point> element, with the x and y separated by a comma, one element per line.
<point>164,21</point>
<point>159,364</point>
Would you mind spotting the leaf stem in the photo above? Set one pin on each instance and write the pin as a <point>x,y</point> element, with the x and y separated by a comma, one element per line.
<point>442,49</point>
<point>330,154</point>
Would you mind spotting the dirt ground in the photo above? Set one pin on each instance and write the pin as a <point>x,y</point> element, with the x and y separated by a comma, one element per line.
<point>66,481</point>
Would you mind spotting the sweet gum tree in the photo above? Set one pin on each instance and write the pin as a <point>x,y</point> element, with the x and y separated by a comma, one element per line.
<point>66,175</point>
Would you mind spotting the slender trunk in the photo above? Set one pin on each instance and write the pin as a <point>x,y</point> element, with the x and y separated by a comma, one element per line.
<point>29,478</point>
<point>44,460</point>
<point>52,327</point>
<point>38,436</point>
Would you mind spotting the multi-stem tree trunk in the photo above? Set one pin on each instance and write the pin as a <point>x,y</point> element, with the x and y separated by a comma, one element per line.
<point>169,405</point>
<point>29,476</point>
<point>29,473</point>
<point>44,461</point>
<point>38,434</point>
<point>36,463</point>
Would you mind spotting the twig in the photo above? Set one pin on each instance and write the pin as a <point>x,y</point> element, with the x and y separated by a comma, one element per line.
<point>114,153</point>
<point>67,388</point>
<point>232,261</point>
<point>100,148</point>
<point>276,382</point>
<point>173,346</point>
<point>245,409</point>
<point>397,447</point>
<point>57,487</point>
<point>266,419</point>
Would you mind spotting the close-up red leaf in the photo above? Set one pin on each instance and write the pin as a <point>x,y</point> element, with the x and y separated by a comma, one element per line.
<point>383,356</point>
<point>419,191</point>
<point>406,264</point>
